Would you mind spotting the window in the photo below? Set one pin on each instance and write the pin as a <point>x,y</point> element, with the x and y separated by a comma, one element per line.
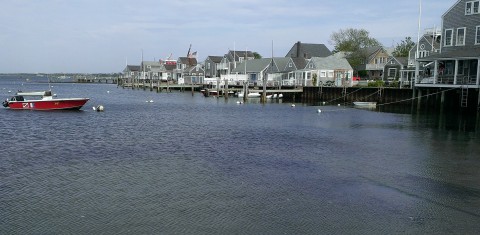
<point>323,74</point>
<point>468,8</point>
<point>472,7</point>
<point>477,36</point>
<point>330,74</point>
<point>448,37</point>
<point>461,36</point>
<point>392,72</point>
<point>290,65</point>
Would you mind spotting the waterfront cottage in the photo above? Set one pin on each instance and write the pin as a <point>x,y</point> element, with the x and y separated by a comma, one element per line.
<point>182,64</point>
<point>326,71</point>
<point>212,66</point>
<point>130,73</point>
<point>194,75</point>
<point>151,70</point>
<point>255,70</point>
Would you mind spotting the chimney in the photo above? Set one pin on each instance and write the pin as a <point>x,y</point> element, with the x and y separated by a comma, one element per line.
<point>298,49</point>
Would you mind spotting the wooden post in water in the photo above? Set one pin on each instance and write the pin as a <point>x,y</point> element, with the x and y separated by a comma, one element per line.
<point>192,86</point>
<point>151,84</point>
<point>245,92</point>
<point>225,93</point>
<point>218,87</point>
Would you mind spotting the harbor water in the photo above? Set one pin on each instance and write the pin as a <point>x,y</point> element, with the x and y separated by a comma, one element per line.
<point>186,164</point>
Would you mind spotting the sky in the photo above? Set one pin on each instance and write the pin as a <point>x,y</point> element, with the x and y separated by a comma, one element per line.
<point>102,36</point>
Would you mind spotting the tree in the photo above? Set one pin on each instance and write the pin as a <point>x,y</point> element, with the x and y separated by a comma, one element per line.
<point>256,55</point>
<point>353,42</point>
<point>402,49</point>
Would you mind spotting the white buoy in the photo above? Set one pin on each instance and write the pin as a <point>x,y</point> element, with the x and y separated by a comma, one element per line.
<point>239,102</point>
<point>338,104</point>
<point>324,103</point>
<point>108,92</point>
<point>99,108</point>
<point>319,110</point>
<point>293,105</point>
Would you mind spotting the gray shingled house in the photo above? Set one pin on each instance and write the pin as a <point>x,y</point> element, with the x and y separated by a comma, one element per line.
<point>458,63</point>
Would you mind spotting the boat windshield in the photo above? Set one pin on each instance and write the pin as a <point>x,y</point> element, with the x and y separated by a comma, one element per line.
<point>17,98</point>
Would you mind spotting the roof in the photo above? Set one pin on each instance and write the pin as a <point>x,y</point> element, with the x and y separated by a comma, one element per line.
<point>241,53</point>
<point>215,59</point>
<point>451,8</point>
<point>402,61</point>
<point>281,63</point>
<point>132,68</point>
<point>300,63</point>
<point>308,50</point>
<point>253,66</point>
<point>331,63</point>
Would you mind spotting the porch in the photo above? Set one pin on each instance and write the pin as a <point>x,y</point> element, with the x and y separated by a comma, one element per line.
<point>449,72</point>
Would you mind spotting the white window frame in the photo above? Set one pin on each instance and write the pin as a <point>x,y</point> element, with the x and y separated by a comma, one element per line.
<point>477,36</point>
<point>330,74</point>
<point>323,74</point>
<point>468,8</point>
<point>457,39</point>
<point>446,38</point>
<point>390,72</point>
<point>475,9</point>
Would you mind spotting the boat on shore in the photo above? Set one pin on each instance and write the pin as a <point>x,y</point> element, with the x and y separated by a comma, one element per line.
<point>43,100</point>
<point>365,104</point>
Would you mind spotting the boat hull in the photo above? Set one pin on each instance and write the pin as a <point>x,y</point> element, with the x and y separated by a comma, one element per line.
<point>365,104</point>
<point>53,104</point>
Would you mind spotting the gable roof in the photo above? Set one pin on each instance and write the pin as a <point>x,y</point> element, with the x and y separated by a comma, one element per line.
<point>215,59</point>
<point>253,66</point>
<point>402,61</point>
<point>300,63</point>
<point>451,8</point>
<point>132,68</point>
<point>281,63</point>
<point>331,63</point>
<point>308,50</point>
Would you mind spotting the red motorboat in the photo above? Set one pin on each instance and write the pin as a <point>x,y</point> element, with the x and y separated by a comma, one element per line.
<point>43,100</point>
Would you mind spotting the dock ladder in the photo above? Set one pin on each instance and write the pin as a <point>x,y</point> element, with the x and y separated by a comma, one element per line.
<point>464,100</point>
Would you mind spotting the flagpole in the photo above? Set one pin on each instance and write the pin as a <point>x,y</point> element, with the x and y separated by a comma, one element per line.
<point>417,64</point>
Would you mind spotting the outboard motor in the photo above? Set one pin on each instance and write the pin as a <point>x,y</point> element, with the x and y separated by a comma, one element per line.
<point>5,103</point>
